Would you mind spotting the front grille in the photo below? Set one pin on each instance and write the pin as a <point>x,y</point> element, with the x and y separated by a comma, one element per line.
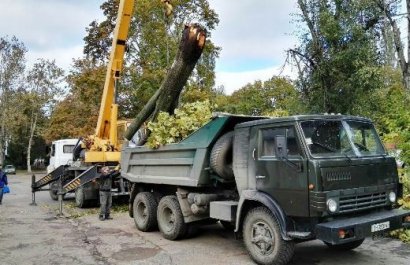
<point>362,202</point>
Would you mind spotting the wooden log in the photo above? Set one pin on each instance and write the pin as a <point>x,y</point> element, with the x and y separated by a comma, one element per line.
<point>167,96</point>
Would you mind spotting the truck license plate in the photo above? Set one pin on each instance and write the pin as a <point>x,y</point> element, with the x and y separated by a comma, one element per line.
<point>380,226</point>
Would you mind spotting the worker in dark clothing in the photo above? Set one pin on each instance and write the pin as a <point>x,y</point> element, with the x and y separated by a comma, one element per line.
<point>105,193</point>
<point>3,182</point>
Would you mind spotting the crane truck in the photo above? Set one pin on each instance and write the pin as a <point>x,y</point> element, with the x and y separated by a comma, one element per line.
<point>102,148</point>
<point>274,181</point>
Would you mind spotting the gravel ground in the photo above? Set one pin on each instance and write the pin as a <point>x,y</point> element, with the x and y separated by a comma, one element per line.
<point>35,235</point>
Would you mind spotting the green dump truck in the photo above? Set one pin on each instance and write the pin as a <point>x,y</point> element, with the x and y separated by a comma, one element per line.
<point>274,181</point>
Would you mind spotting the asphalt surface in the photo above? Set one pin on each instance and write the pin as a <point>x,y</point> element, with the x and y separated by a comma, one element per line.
<point>35,235</point>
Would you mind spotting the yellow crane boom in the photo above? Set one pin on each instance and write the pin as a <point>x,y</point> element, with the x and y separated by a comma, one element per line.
<point>114,68</point>
<point>105,145</point>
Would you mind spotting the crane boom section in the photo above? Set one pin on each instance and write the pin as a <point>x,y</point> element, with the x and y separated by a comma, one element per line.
<point>105,122</point>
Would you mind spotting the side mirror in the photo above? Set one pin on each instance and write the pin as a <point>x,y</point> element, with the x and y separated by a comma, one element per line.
<point>281,146</point>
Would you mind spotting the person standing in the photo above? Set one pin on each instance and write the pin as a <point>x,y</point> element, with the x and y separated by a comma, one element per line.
<point>3,182</point>
<point>105,193</point>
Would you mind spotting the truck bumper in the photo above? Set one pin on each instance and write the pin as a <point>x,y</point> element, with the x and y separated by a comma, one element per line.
<point>345,230</point>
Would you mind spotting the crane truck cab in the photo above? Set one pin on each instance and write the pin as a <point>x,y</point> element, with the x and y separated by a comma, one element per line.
<point>61,153</point>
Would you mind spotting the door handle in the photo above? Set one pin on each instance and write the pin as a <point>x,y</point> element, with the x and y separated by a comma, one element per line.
<point>260,177</point>
<point>253,153</point>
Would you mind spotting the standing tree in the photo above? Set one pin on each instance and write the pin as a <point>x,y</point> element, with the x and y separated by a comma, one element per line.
<point>338,60</point>
<point>68,120</point>
<point>43,86</point>
<point>264,98</point>
<point>12,65</point>
<point>390,11</point>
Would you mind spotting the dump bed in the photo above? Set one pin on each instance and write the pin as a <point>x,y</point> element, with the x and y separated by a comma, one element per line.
<point>185,163</point>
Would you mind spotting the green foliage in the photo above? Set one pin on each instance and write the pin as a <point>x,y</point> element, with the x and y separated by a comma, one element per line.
<point>388,107</point>
<point>174,128</point>
<point>12,66</point>
<point>76,115</point>
<point>405,201</point>
<point>276,113</point>
<point>261,98</point>
<point>404,234</point>
<point>338,57</point>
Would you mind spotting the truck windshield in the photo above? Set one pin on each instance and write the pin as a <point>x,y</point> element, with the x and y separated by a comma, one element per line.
<point>341,138</point>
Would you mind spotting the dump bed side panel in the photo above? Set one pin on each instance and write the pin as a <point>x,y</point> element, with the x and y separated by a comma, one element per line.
<point>171,165</point>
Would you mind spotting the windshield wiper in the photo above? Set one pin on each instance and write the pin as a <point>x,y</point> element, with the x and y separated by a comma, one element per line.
<point>348,157</point>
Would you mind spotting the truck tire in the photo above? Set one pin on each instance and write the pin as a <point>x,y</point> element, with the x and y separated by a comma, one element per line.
<point>221,156</point>
<point>263,240</point>
<point>346,246</point>
<point>80,200</point>
<point>53,191</point>
<point>145,211</point>
<point>170,220</point>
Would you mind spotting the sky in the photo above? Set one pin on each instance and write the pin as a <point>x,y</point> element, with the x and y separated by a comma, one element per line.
<point>253,35</point>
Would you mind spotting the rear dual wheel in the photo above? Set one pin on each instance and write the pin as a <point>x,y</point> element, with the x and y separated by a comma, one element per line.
<point>145,211</point>
<point>170,219</point>
<point>166,215</point>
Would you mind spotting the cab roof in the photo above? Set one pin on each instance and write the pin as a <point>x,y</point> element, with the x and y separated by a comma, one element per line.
<point>270,120</point>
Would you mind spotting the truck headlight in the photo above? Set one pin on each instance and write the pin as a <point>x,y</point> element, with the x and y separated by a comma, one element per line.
<point>392,196</point>
<point>331,205</point>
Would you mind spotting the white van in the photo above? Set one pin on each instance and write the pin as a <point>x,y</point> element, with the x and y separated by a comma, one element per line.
<point>61,153</point>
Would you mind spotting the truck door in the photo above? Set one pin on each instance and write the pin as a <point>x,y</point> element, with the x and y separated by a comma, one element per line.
<point>284,179</point>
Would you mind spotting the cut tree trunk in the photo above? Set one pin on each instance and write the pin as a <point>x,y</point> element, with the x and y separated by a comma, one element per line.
<point>167,96</point>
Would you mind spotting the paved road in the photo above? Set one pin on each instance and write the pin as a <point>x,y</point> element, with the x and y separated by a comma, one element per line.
<point>33,235</point>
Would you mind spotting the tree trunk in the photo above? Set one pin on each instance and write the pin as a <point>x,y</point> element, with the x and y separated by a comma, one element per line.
<point>30,141</point>
<point>3,107</point>
<point>166,97</point>
<point>2,138</point>
<point>397,40</point>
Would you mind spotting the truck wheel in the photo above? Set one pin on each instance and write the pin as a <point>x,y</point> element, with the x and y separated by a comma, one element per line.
<point>80,200</point>
<point>346,246</point>
<point>145,211</point>
<point>54,191</point>
<point>221,156</point>
<point>263,240</point>
<point>170,220</point>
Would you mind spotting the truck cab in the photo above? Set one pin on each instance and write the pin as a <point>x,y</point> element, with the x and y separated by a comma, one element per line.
<point>61,153</point>
<point>320,167</point>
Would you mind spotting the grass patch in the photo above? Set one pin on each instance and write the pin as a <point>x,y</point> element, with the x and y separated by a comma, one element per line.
<point>74,212</point>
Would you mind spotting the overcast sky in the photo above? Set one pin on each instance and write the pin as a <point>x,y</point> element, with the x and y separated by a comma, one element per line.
<point>253,34</point>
